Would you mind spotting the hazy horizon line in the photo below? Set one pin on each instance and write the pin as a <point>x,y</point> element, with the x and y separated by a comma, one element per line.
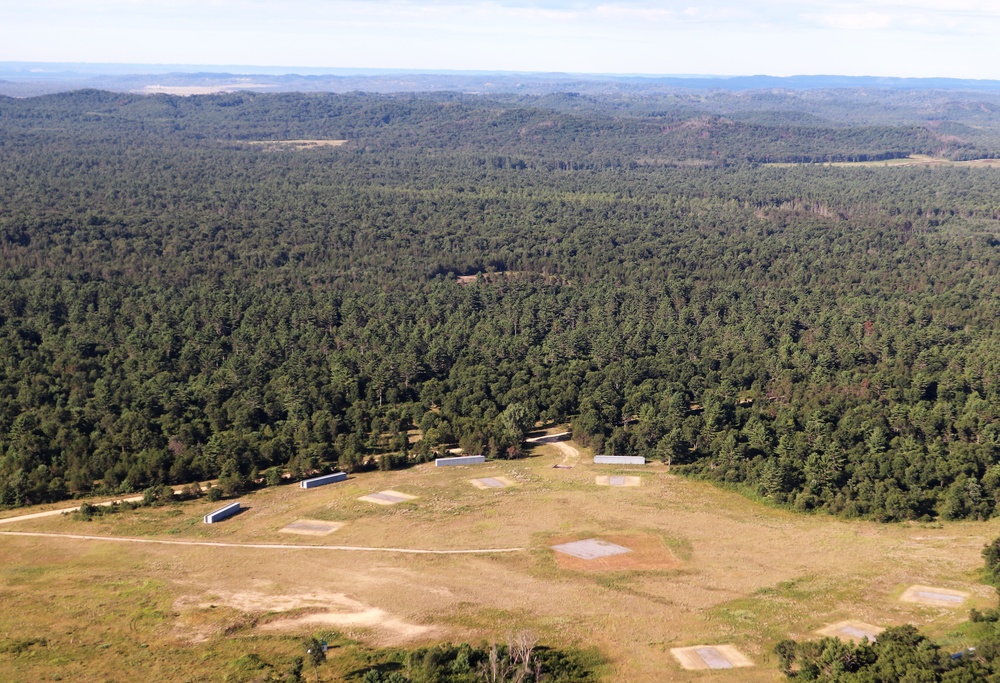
<point>37,68</point>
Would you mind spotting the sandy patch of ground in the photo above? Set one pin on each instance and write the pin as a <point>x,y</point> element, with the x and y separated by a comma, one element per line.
<point>618,480</point>
<point>854,631</point>
<point>701,657</point>
<point>332,609</point>
<point>646,553</point>
<point>936,597</point>
<point>311,527</point>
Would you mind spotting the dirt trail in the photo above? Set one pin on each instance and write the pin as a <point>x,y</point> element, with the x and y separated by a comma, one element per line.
<point>265,546</point>
<point>60,511</point>
<point>571,456</point>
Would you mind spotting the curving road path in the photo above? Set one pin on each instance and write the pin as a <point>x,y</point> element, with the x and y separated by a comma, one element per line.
<point>60,511</point>
<point>260,546</point>
<point>571,456</point>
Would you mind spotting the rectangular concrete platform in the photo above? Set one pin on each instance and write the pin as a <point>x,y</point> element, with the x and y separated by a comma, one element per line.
<point>491,483</point>
<point>591,549</point>
<point>619,460</point>
<point>702,657</point>
<point>387,497</point>
<point>936,597</point>
<point>617,481</point>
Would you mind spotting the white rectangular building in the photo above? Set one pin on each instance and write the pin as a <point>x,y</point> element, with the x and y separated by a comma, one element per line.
<point>323,481</point>
<point>222,513</point>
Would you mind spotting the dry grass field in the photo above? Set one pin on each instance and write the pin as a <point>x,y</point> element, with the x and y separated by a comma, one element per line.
<point>732,572</point>
<point>912,160</point>
<point>297,144</point>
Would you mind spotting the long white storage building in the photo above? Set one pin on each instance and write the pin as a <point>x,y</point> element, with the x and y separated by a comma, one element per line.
<point>460,460</point>
<point>323,481</point>
<point>222,513</point>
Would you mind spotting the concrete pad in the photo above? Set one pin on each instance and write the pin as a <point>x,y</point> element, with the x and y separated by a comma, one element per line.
<point>311,527</point>
<point>854,631</point>
<point>591,549</point>
<point>648,552</point>
<point>387,497</point>
<point>491,483</point>
<point>618,481</point>
<point>702,657</point>
<point>936,597</point>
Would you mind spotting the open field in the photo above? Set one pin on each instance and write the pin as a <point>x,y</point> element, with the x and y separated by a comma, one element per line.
<point>709,568</point>
<point>912,160</point>
<point>189,90</point>
<point>298,144</point>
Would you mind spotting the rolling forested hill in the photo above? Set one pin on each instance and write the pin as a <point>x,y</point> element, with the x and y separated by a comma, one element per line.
<point>178,302</point>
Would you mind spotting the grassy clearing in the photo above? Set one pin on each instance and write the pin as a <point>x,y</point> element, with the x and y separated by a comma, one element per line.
<point>748,575</point>
<point>912,160</point>
<point>297,144</point>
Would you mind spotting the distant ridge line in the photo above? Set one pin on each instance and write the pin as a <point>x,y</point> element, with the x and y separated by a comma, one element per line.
<point>41,72</point>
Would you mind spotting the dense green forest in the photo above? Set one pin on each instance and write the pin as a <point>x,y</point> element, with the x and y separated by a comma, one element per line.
<point>177,304</point>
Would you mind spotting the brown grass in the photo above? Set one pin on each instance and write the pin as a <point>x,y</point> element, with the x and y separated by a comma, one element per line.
<point>746,574</point>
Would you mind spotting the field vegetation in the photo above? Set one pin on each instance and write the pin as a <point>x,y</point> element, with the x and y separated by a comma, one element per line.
<point>739,572</point>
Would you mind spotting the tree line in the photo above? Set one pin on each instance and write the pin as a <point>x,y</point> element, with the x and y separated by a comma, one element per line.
<point>176,305</point>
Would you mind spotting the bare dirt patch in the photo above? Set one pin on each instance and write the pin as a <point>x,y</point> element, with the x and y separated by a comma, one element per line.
<point>571,456</point>
<point>702,657</point>
<point>311,527</point>
<point>936,597</point>
<point>322,608</point>
<point>854,631</point>
<point>298,144</point>
<point>646,553</point>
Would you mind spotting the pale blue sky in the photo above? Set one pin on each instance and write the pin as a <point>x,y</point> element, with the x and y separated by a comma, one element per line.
<point>951,38</point>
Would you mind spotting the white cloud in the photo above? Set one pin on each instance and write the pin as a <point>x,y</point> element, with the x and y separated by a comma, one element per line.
<point>782,37</point>
<point>852,21</point>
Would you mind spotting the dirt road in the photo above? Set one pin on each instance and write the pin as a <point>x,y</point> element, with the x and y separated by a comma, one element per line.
<point>60,511</point>
<point>264,546</point>
<point>571,456</point>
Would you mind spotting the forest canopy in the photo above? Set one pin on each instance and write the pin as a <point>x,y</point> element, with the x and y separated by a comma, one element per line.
<point>177,304</point>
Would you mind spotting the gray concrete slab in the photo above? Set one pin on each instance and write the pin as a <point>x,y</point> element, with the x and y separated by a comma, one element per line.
<point>591,549</point>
